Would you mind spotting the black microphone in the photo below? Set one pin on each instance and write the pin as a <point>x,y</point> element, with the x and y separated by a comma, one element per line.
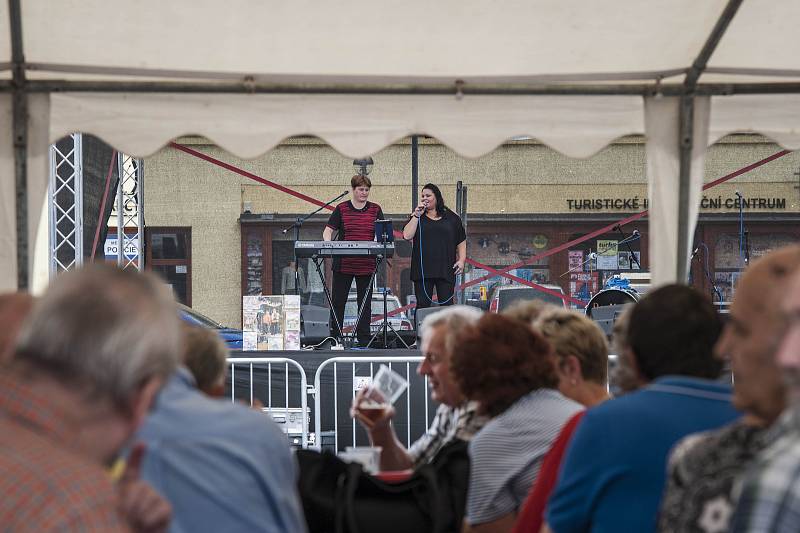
<point>737,193</point>
<point>636,232</point>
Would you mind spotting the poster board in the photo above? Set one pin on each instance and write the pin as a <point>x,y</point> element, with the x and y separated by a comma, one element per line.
<point>583,285</point>
<point>607,255</point>
<point>271,323</point>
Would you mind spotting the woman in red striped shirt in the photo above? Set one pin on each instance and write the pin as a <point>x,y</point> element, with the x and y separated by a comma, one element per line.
<point>354,220</point>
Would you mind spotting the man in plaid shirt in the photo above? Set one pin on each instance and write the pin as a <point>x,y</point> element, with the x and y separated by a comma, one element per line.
<point>455,417</point>
<point>83,373</point>
<point>770,494</point>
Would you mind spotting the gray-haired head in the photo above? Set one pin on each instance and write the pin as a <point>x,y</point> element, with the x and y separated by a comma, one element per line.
<point>453,318</point>
<point>103,331</point>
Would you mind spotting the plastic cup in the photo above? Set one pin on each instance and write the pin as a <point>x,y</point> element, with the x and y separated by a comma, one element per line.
<point>368,456</point>
<point>386,387</point>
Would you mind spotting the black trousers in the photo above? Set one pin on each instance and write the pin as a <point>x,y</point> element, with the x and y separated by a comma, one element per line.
<point>339,291</point>
<point>444,291</point>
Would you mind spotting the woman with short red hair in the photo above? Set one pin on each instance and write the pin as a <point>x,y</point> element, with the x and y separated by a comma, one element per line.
<point>507,368</point>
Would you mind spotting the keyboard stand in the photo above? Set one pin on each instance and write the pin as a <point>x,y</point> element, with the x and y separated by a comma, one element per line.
<point>318,261</point>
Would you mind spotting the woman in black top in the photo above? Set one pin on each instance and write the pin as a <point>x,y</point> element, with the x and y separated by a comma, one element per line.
<point>440,248</point>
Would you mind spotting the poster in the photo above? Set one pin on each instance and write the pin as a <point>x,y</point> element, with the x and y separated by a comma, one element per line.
<point>271,323</point>
<point>575,260</point>
<point>725,283</point>
<point>607,255</point>
<point>291,326</point>
<point>627,263</point>
<point>535,275</point>
<point>583,285</point>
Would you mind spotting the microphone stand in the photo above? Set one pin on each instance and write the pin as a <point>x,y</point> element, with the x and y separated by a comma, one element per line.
<point>628,246</point>
<point>296,226</point>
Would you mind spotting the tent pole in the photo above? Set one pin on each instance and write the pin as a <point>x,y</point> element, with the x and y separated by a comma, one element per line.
<point>686,134</point>
<point>638,89</point>
<point>20,135</point>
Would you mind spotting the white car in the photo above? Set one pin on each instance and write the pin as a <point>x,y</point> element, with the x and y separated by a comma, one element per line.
<point>399,321</point>
<point>505,295</point>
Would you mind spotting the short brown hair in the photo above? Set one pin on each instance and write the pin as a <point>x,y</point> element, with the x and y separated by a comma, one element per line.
<point>499,360</point>
<point>104,331</point>
<point>527,310</point>
<point>359,180</point>
<point>205,355</point>
<point>572,333</point>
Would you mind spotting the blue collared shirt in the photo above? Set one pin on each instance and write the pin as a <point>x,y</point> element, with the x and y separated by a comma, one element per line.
<point>222,467</point>
<point>613,472</point>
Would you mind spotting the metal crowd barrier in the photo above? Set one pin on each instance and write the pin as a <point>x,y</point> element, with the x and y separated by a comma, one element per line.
<point>281,385</point>
<point>413,412</point>
<point>293,416</point>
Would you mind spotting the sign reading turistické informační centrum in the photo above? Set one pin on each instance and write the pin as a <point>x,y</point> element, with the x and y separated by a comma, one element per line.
<point>708,202</point>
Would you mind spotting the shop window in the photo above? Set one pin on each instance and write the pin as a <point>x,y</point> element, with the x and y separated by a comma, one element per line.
<point>253,264</point>
<point>732,253</point>
<point>169,254</point>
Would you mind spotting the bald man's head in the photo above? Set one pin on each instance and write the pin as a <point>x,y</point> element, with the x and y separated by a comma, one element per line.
<point>754,330</point>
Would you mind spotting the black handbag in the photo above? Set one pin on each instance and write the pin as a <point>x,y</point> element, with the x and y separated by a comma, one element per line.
<point>341,498</point>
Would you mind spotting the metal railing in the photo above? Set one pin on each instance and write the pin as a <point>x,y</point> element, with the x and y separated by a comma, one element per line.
<point>358,379</point>
<point>261,364</point>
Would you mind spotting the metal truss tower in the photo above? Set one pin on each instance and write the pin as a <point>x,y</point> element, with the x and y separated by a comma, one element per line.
<point>130,213</point>
<point>65,204</point>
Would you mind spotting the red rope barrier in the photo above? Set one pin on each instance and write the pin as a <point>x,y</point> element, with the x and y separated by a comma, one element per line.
<point>523,281</point>
<point>248,175</point>
<point>746,169</point>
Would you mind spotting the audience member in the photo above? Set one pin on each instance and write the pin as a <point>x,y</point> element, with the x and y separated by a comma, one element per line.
<point>703,467</point>
<point>613,474</point>
<point>527,310</point>
<point>581,354</point>
<point>205,355</point>
<point>582,366</point>
<point>222,466</point>
<point>86,366</point>
<point>770,495</point>
<point>508,368</point>
<point>455,417</point>
<point>623,378</point>
<point>14,308</point>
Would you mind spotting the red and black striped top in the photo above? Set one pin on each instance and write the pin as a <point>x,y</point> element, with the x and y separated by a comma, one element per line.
<point>355,225</point>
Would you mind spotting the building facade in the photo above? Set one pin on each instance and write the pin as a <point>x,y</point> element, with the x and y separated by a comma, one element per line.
<point>216,235</point>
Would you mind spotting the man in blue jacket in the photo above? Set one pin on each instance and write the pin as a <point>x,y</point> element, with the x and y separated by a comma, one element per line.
<point>613,473</point>
<point>222,466</point>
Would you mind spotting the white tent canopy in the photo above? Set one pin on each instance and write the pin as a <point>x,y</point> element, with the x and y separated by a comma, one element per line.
<point>575,75</point>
